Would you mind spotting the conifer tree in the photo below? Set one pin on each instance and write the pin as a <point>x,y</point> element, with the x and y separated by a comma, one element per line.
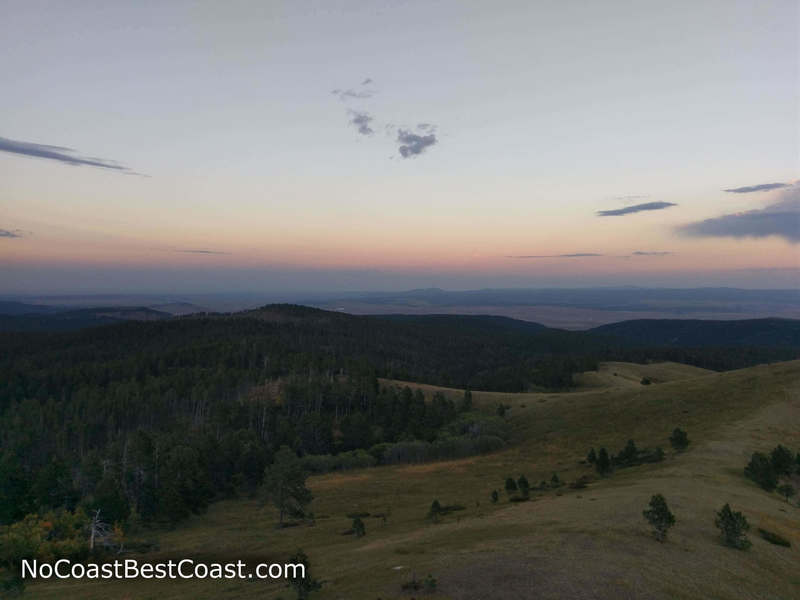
<point>659,516</point>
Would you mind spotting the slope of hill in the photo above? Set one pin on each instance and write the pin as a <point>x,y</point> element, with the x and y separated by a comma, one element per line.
<point>575,543</point>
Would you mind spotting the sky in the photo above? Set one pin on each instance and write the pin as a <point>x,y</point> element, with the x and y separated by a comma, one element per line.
<point>279,146</point>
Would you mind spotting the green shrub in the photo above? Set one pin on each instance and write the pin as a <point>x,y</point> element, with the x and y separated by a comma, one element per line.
<point>733,526</point>
<point>659,517</point>
<point>760,470</point>
<point>679,440</point>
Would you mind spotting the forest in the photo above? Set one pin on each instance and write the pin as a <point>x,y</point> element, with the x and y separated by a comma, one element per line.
<point>153,420</point>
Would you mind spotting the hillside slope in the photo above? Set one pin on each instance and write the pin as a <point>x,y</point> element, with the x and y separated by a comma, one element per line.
<point>587,543</point>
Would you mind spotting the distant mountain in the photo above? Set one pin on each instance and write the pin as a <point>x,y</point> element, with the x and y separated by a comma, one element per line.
<point>698,333</point>
<point>11,307</point>
<point>70,320</point>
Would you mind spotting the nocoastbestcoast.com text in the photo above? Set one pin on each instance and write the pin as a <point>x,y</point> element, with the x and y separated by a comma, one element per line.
<point>186,568</point>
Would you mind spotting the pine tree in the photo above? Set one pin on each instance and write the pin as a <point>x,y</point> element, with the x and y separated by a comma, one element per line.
<point>435,511</point>
<point>760,470</point>
<point>732,525</point>
<point>524,486</point>
<point>495,496</point>
<point>659,516</point>
<point>603,464</point>
<point>555,481</point>
<point>591,458</point>
<point>285,484</point>
<point>511,485</point>
<point>358,527</point>
<point>781,459</point>
<point>303,582</point>
<point>679,440</point>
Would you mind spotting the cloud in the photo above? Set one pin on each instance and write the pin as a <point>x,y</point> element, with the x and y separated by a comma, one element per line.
<point>58,153</point>
<point>628,198</point>
<point>780,219</point>
<point>575,255</point>
<point>635,209</point>
<point>200,252</point>
<point>367,81</point>
<point>361,120</point>
<point>412,144</point>
<point>641,253</point>
<point>7,233</point>
<point>762,187</point>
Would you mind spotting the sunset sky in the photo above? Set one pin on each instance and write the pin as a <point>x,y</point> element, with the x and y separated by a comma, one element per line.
<point>193,146</point>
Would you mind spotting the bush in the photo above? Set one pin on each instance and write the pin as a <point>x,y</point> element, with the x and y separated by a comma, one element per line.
<point>495,496</point>
<point>781,459</point>
<point>733,526</point>
<point>786,490</point>
<point>760,470</point>
<point>646,381</point>
<point>659,517</point>
<point>603,464</point>
<point>523,486</point>
<point>774,538</point>
<point>358,527</point>
<point>679,440</point>
<point>511,486</point>
<point>591,458</point>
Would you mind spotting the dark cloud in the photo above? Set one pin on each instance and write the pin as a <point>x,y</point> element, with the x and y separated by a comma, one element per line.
<point>7,233</point>
<point>762,187</point>
<point>412,144</point>
<point>781,219</point>
<point>641,253</point>
<point>576,255</point>
<point>59,153</point>
<point>367,81</point>
<point>635,209</point>
<point>361,121</point>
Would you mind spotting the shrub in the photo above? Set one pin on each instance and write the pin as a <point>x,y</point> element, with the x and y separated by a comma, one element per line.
<point>306,584</point>
<point>358,527</point>
<point>679,440</point>
<point>733,526</point>
<point>511,486</point>
<point>435,511</point>
<point>495,496</point>
<point>603,464</point>
<point>555,482</point>
<point>659,517</point>
<point>774,538</point>
<point>591,458</point>
<point>524,486</point>
<point>760,470</point>
<point>646,381</point>
<point>786,490</point>
<point>781,459</point>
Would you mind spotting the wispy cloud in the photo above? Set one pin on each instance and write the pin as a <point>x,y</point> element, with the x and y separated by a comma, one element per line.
<point>200,252</point>
<point>412,144</point>
<point>780,219</point>
<point>635,209</point>
<point>57,153</point>
<point>642,253</point>
<point>761,187</point>
<point>628,198</point>
<point>361,121</point>
<point>11,233</point>
<point>575,255</point>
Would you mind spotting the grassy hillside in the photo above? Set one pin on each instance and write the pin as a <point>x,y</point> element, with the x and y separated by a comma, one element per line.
<point>587,543</point>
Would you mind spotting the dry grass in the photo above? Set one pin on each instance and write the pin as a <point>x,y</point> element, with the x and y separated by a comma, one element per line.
<point>589,543</point>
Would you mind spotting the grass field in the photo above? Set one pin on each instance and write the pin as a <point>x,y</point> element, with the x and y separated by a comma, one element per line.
<point>565,543</point>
